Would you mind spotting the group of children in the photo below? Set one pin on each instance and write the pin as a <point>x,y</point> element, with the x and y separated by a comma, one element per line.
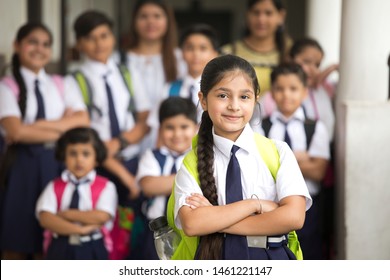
<point>96,154</point>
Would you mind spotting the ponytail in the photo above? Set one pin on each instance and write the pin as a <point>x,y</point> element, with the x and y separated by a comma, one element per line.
<point>210,247</point>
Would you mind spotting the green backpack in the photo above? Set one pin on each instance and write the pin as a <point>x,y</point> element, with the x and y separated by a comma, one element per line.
<point>187,247</point>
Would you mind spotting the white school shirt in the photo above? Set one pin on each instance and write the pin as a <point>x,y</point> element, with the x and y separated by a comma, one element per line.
<point>318,105</point>
<point>149,166</point>
<point>319,146</point>
<point>188,81</point>
<point>94,72</point>
<point>54,101</point>
<point>255,175</point>
<point>107,201</point>
<point>151,70</point>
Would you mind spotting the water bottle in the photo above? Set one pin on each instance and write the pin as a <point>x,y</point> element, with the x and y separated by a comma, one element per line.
<point>166,239</point>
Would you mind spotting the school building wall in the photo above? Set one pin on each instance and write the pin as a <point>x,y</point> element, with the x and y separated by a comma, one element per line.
<point>354,32</point>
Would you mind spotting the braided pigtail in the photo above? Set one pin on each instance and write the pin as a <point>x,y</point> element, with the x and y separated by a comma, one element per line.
<point>210,247</point>
<point>21,84</point>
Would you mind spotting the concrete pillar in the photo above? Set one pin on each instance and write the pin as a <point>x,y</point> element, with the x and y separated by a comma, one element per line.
<point>362,132</point>
<point>323,23</point>
<point>13,14</point>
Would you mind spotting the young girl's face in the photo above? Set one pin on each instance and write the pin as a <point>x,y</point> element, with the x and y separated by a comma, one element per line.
<point>288,92</point>
<point>264,18</point>
<point>34,50</point>
<point>310,59</point>
<point>230,104</point>
<point>197,52</point>
<point>151,22</point>
<point>99,44</point>
<point>177,133</point>
<point>80,159</point>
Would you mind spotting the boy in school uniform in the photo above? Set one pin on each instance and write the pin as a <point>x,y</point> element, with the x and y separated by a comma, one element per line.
<point>309,141</point>
<point>117,103</point>
<point>199,44</point>
<point>157,168</point>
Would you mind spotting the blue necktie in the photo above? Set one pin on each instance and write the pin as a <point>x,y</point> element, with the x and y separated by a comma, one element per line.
<point>40,104</point>
<point>74,202</point>
<point>173,170</point>
<point>287,138</point>
<point>236,246</point>
<point>191,93</point>
<point>114,124</point>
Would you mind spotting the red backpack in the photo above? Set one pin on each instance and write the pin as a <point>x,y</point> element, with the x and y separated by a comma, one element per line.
<point>116,241</point>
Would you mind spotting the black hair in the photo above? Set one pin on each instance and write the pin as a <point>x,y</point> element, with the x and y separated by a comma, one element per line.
<point>174,106</point>
<point>211,245</point>
<point>303,43</point>
<point>203,29</point>
<point>289,68</point>
<point>280,34</point>
<point>81,135</point>
<point>22,33</point>
<point>88,21</point>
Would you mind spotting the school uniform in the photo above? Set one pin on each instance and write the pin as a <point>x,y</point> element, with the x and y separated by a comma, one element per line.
<point>34,165</point>
<point>310,234</point>
<point>156,163</point>
<point>91,246</point>
<point>255,179</point>
<point>189,88</point>
<point>150,69</point>
<point>318,106</point>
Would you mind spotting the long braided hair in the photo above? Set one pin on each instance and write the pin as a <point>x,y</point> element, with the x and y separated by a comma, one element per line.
<point>210,246</point>
<point>10,153</point>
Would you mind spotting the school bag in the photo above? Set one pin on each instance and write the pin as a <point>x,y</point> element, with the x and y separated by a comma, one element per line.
<point>174,89</point>
<point>187,247</point>
<point>116,245</point>
<point>87,92</point>
<point>309,126</point>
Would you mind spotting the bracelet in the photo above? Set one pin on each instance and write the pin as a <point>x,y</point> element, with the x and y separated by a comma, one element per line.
<point>261,206</point>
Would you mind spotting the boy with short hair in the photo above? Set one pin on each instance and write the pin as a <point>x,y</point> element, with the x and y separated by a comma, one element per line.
<point>157,168</point>
<point>309,141</point>
<point>117,104</point>
<point>199,44</point>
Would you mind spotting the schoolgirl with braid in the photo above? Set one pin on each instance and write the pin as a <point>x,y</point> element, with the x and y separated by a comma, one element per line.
<point>225,192</point>
<point>35,109</point>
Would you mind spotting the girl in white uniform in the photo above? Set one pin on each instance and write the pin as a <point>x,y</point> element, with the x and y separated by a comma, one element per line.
<point>231,171</point>
<point>35,109</point>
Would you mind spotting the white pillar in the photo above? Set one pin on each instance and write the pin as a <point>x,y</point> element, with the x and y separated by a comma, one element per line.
<point>362,132</point>
<point>51,11</point>
<point>323,23</point>
<point>13,14</point>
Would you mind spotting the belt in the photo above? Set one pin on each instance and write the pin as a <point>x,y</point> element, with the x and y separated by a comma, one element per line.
<point>75,239</point>
<point>262,241</point>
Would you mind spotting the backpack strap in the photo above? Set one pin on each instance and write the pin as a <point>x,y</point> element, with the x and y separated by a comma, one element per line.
<point>59,82</point>
<point>174,89</point>
<point>96,188</point>
<point>160,158</point>
<point>269,153</point>
<point>126,76</point>
<point>86,91</point>
<point>12,84</point>
<point>266,125</point>
<point>59,188</point>
<point>310,127</point>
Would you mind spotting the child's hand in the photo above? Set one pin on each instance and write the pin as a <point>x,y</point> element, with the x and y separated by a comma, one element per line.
<point>88,229</point>
<point>323,75</point>
<point>133,188</point>
<point>301,156</point>
<point>197,200</point>
<point>68,214</point>
<point>68,112</point>
<point>112,147</point>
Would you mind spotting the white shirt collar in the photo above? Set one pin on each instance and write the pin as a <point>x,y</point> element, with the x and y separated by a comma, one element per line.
<point>165,151</point>
<point>189,80</point>
<point>67,176</point>
<point>245,141</point>
<point>298,115</point>
<point>30,77</point>
<point>98,68</point>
